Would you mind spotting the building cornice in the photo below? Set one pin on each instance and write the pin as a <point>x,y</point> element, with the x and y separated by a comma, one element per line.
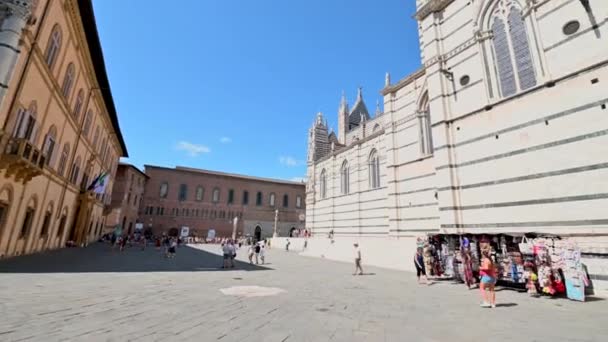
<point>403,82</point>
<point>431,6</point>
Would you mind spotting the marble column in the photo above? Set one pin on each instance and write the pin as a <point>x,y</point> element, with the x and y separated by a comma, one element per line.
<point>15,15</point>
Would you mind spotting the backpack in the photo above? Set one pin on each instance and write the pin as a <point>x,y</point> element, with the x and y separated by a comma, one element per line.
<point>257,249</point>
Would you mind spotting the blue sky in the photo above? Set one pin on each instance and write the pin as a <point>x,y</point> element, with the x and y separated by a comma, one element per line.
<point>234,85</point>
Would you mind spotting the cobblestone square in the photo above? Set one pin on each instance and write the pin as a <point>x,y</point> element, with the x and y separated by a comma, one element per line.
<point>95,294</point>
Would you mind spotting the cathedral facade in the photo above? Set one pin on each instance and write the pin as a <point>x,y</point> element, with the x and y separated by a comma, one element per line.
<point>503,129</point>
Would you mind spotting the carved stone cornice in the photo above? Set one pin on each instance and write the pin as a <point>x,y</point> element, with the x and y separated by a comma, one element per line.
<point>431,6</point>
<point>21,8</point>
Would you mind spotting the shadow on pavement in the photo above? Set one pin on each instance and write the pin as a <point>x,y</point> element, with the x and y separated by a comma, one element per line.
<point>506,305</point>
<point>99,257</point>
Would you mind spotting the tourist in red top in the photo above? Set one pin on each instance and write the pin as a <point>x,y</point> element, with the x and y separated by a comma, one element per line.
<point>487,273</point>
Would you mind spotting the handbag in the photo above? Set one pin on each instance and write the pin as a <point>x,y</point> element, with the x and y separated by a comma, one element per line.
<point>526,247</point>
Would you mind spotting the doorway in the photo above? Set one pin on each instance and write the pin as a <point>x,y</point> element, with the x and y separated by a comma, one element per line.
<point>258,233</point>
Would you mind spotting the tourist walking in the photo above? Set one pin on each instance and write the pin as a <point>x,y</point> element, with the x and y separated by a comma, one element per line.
<point>487,272</point>
<point>258,248</point>
<point>172,247</point>
<point>226,252</point>
<point>358,268</point>
<point>232,246</point>
<point>250,253</point>
<point>419,263</point>
<point>263,254</point>
<point>287,245</point>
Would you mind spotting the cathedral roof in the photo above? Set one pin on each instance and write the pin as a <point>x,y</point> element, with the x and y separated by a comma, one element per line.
<point>359,111</point>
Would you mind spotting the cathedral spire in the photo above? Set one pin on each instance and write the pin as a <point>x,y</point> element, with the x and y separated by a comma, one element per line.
<point>360,94</point>
<point>378,112</point>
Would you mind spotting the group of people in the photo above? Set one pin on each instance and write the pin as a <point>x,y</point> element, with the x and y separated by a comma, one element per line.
<point>230,247</point>
<point>257,250</point>
<point>169,245</point>
<point>121,241</point>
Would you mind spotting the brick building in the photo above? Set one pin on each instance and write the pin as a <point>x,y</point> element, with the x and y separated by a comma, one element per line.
<point>202,200</point>
<point>127,197</point>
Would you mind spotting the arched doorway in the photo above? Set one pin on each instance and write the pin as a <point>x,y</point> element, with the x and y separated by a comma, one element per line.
<point>258,233</point>
<point>292,232</point>
<point>173,232</point>
<point>124,223</point>
<point>130,228</point>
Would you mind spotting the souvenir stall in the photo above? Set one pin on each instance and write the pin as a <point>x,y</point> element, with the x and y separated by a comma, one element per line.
<point>542,263</point>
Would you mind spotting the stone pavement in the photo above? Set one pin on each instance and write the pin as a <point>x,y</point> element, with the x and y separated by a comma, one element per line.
<point>95,294</point>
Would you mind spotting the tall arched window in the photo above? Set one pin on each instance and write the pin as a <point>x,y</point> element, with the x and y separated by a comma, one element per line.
<point>68,81</point>
<point>78,105</point>
<point>285,201</point>
<point>424,124</point>
<point>6,198</point>
<point>323,184</point>
<point>271,200</point>
<point>96,138</point>
<point>344,178</point>
<point>258,199</point>
<point>75,171</point>
<point>374,170</point>
<point>511,47</point>
<point>49,146</point>
<point>164,190</point>
<point>87,123</point>
<point>46,222</point>
<point>28,219</point>
<point>25,126</point>
<point>63,159</point>
<point>216,195</point>
<point>53,47</point>
<point>200,192</point>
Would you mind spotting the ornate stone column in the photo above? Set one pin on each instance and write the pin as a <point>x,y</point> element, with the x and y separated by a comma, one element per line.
<point>15,14</point>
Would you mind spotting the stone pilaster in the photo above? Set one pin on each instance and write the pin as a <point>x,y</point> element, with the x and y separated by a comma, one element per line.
<point>15,15</point>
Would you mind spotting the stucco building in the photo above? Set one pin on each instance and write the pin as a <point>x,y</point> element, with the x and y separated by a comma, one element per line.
<point>202,200</point>
<point>59,126</point>
<point>504,128</point>
<point>127,197</point>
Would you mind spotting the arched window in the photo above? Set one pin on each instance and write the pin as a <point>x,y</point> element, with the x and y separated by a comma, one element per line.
<point>6,198</point>
<point>183,192</point>
<point>96,138</point>
<point>68,81</point>
<point>85,178</point>
<point>374,170</point>
<point>49,146</point>
<point>298,201</point>
<point>216,195</point>
<point>28,219</point>
<point>200,192</point>
<point>285,201</point>
<point>75,171</point>
<point>376,128</point>
<point>78,105</point>
<point>25,126</point>
<point>46,222</point>
<point>164,190</point>
<point>245,197</point>
<point>511,45</point>
<point>87,122</point>
<point>425,133</point>
<point>53,47</point>
<point>344,178</point>
<point>62,222</point>
<point>323,184</point>
<point>271,200</point>
<point>258,199</point>
<point>63,159</point>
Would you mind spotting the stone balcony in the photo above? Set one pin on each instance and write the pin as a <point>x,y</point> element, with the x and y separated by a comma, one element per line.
<point>20,159</point>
